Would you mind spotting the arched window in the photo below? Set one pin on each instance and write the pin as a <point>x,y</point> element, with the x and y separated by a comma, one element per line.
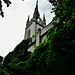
<point>29,33</point>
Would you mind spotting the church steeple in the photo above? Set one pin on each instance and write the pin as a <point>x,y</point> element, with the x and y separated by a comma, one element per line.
<point>36,12</point>
<point>35,23</point>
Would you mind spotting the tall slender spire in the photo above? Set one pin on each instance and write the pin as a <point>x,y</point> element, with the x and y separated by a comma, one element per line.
<point>36,12</point>
<point>44,20</point>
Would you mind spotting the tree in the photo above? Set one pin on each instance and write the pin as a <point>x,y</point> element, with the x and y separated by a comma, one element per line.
<point>6,2</point>
<point>53,2</point>
<point>61,37</point>
<point>1,58</point>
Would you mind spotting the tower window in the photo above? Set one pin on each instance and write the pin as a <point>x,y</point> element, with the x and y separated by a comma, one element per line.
<point>29,33</point>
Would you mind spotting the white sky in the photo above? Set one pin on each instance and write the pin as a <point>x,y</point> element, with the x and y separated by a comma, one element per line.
<point>12,26</point>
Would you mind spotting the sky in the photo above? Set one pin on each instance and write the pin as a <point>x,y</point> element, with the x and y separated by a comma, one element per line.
<point>12,26</point>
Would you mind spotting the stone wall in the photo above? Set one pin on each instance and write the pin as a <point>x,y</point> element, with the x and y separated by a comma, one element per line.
<point>32,29</point>
<point>41,34</point>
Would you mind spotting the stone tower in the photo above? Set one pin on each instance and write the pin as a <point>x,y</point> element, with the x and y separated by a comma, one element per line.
<point>36,23</point>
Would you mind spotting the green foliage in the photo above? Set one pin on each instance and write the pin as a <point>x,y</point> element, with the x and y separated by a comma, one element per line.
<point>15,60</point>
<point>61,38</point>
<point>1,58</point>
<point>19,52</point>
<point>16,65</point>
<point>33,63</point>
<point>55,55</point>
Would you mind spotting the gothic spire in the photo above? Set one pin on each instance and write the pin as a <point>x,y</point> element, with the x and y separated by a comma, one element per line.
<point>44,20</point>
<point>36,12</point>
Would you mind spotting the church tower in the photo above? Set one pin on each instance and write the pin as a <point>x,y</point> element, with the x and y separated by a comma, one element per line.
<point>36,23</point>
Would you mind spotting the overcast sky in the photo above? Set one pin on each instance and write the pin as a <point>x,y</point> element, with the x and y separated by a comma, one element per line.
<point>12,26</point>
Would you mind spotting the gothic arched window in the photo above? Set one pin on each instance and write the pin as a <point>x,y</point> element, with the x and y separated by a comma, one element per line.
<point>29,33</point>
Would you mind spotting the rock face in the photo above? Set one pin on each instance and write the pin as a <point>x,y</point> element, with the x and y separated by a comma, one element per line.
<point>20,52</point>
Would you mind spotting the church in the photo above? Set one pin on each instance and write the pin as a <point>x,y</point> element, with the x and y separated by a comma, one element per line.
<point>36,27</point>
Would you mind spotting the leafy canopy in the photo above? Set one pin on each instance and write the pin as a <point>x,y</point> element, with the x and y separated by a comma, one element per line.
<point>1,5</point>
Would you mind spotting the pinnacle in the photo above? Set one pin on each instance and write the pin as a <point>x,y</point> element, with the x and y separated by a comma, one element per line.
<point>36,12</point>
